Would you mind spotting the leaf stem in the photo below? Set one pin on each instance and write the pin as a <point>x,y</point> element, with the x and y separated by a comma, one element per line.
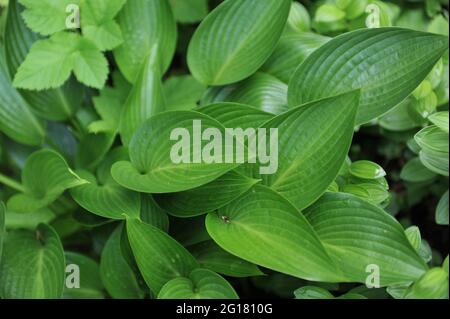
<point>5,180</point>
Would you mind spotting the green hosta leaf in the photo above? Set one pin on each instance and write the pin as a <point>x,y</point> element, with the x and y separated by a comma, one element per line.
<point>312,292</point>
<point>117,276</point>
<point>151,169</point>
<point>200,284</point>
<point>366,170</point>
<point>373,192</point>
<point>291,51</point>
<point>414,237</point>
<point>145,99</point>
<point>357,234</point>
<point>299,19</point>
<point>47,16</point>
<point>434,144</point>
<point>91,286</point>
<point>98,24</point>
<point>2,227</point>
<point>262,91</point>
<point>153,214</point>
<point>145,24</point>
<point>45,177</point>
<point>440,119</point>
<point>159,257</point>
<point>182,92</point>
<point>442,210</point>
<point>16,119</point>
<point>36,272</point>
<point>385,79</point>
<point>214,258</point>
<point>236,115</point>
<point>432,285</point>
<point>208,197</point>
<point>189,11</point>
<point>108,200</point>
<point>224,50</point>
<point>54,105</point>
<point>401,117</point>
<point>29,221</point>
<point>92,148</point>
<point>51,61</point>
<point>414,171</point>
<point>313,143</point>
<point>265,229</point>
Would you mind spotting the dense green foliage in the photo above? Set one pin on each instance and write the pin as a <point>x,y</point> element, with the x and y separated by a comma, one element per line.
<point>92,204</point>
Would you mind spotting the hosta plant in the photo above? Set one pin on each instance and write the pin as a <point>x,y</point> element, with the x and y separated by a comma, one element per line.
<point>346,196</point>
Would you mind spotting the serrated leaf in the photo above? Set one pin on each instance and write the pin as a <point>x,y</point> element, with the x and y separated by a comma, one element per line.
<point>145,24</point>
<point>265,229</point>
<point>51,61</point>
<point>206,198</point>
<point>442,210</point>
<point>116,275</point>
<point>47,16</point>
<point>414,171</point>
<point>40,262</point>
<point>313,141</point>
<point>16,118</point>
<point>366,170</point>
<point>212,257</point>
<point>91,286</point>
<point>357,234</point>
<point>45,177</point>
<point>151,169</point>
<point>200,284</point>
<point>146,97</point>
<point>385,79</point>
<point>290,52</point>
<point>224,50</point>
<point>159,257</point>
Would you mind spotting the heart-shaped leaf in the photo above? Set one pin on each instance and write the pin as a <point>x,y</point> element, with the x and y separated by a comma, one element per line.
<point>160,258</point>
<point>145,24</point>
<point>200,284</point>
<point>224,50</point>
<point>152,170</point>
<point>357,234</point>
<point>212,257</point>
<point>45,177</point>
<point>387,64</point>
<point>36,272</point>
<point>313,142</point>
<point>208,197</point>
<point>265,229</point>
<point>117,276</point>
<point>145,99</point>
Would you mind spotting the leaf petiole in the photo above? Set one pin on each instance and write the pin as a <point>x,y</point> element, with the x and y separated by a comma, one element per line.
<point>5,180</point>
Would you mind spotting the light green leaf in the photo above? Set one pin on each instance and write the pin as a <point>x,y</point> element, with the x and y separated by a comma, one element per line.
<point>189,11</point>
<point>98,25</point>
<point>224,50</point>
<point>146,98</point>
<point>206,198</point>
<point>182,92</point>
<point>290,52</point>
<point>440,119</point>
<point>402,117</point>
<point>366,170</point>
<point>357,234</point>
<point>45,177</point>
<point>312,292</point>
<point>47,16</point>
<point>414,237</point>
<point>385,79</point>
<point>16,119</point>
<point>265,229</point>
<point>414,171</point>
<point>38,271</point>
<point>435,145</point>
<point>159,257</point>
<point>200,284</point>
<point>2,227</point>
<point>313,143</point>
<point>442,210</point>
<point>151,169</point>
<point>116,275</point>
<point>299,19</point>
<point>91,286</point>
<point>212,257</point>
<point>51,61</point>
<point>432,285</point>
<point>145,24</point>
<point>29,221</point>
